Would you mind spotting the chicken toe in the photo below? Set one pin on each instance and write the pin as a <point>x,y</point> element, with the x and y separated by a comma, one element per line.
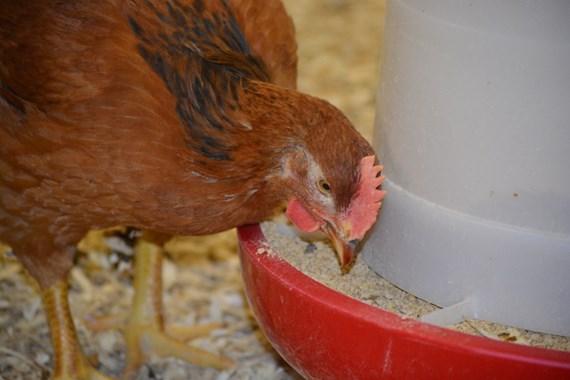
<point>182,333</point>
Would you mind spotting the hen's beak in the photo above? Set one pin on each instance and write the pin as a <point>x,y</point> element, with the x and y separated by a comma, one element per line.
<point>345,250</point>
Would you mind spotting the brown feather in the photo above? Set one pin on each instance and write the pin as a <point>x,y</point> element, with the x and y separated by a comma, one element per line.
<point>271,35</point>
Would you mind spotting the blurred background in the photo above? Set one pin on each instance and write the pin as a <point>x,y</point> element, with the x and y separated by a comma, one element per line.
<point>339,47</point>
<point>339,44</point>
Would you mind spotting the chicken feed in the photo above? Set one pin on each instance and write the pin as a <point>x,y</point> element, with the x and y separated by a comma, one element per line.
<point>318,260</point>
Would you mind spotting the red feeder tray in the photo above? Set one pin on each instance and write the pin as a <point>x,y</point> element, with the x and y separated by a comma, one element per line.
<point>326,335</point>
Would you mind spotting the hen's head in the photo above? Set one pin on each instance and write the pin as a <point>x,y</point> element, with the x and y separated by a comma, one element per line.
<point>334,181</point>
<point>319,164</point>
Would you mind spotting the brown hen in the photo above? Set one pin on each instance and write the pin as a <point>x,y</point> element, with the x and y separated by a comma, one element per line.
<point>173,117</point>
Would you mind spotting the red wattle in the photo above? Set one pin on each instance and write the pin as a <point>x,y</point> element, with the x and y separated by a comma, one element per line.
<point>300,217</point>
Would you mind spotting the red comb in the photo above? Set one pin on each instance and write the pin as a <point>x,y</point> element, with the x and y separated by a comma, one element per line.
<point>365,204</point>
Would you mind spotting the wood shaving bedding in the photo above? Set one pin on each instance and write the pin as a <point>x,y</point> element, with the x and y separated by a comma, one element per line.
<point>197,294</point>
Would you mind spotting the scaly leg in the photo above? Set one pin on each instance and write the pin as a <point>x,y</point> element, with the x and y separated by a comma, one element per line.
<point>69,361</point>
<point>144,333</point>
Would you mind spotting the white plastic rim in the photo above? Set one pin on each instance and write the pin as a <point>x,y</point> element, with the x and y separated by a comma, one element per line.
<point>473,129</point>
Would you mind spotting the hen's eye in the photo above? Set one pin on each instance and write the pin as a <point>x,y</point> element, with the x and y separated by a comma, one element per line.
<point>324,187</point>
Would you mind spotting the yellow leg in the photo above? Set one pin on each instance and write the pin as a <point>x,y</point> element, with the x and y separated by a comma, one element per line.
<point>144,333</point>
<point>69,361</point>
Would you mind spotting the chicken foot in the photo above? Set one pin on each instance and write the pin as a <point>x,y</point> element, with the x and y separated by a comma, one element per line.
<point>145,334</point>
<point>183,333</point>
<point>69,361</point>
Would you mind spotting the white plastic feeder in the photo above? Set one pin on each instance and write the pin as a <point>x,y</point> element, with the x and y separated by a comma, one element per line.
<point>473,128</point>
